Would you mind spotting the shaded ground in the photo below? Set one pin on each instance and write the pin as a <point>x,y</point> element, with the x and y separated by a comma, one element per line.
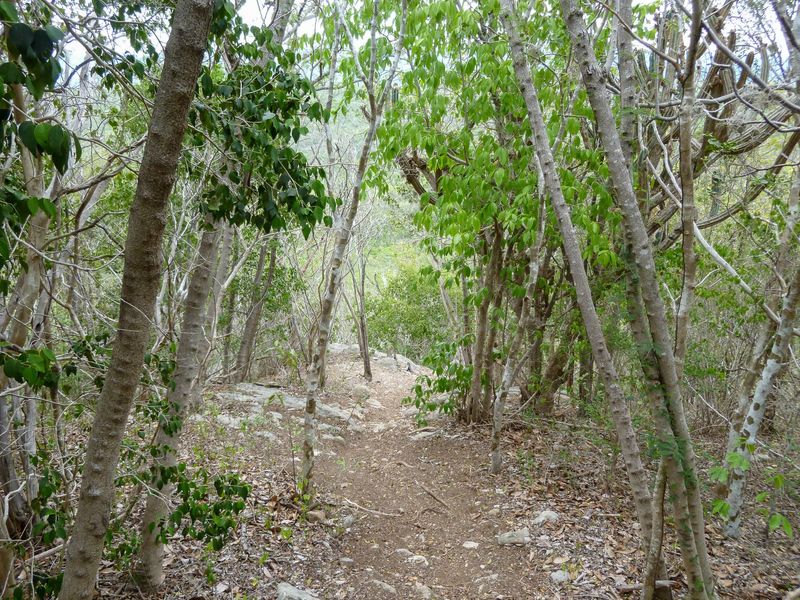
<point>412,513</point>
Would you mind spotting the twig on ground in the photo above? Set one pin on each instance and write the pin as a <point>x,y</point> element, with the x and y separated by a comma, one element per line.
<point>371,511</point>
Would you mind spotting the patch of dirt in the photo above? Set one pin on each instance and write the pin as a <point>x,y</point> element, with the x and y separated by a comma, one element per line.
<point>414,513</point>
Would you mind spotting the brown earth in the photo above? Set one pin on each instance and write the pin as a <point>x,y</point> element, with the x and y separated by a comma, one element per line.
<point>416,510</point>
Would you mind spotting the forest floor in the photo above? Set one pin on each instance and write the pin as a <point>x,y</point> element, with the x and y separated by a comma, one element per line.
<point>406,512</point>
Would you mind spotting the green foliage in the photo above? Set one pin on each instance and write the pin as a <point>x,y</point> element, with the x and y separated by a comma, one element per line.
<point>15,209</point>
<point>449,383</point>
<point>407,315</point>
<point>36,366</point>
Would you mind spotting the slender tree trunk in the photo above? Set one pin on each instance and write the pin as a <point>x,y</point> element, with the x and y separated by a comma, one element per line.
<point>473,412</point>
<point>260,293</point>
<point>755,414</point>
<point>343,233</point>
<point>511,365</point>
<point>149,572</point>
<point>594,84</point>
<point>619,407</point>
<point>214,308</point>
<point>142,272</point>
<point>688,219</point>
<point>786,251</point>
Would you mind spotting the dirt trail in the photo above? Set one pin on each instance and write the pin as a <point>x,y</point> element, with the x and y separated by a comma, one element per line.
<point>441,542</point>
<point>407,513</point>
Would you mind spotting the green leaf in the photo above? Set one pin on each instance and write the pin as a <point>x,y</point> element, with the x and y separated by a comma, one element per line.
<point>775,521</point>
<point>11,73</point>
<point>42,45</point>
<point>33,204</point>
<point>8,12</point>
<point>20,37</point>
<point>55,34</point>
<point>42,134</point>
<point>26,134</point>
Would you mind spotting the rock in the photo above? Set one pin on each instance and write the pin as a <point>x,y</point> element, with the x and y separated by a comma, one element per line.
<point>495,512</point>
<point>546,516</point>
<point>332,411</point>
<point>405,552</point>
<point>336,348</point>
<point>423,591</point>
<point>356,427</point>
<point>336,439</point>
<point>521,536</point>
<point>289,592</point>
<point>361,392</point>
<point>471,545</point>
<point>559,576</point>
<point>315,516</point>
<point>418,559</point>
<point>267,435</point>
<point>384,586</point>
<point>348,520</point>
<point>423,435</point>
<point>221,588</point>
<point>346,562</point>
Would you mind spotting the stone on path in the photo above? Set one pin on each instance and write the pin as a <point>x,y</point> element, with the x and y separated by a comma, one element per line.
<point>289,592</point>
<point>521,536</point>
<point>559,576</point>
<point>423,591</point>
<point>471,545</point>
<point>423,435</point>
<point>384,586</point>
<point>404,552</point>
<point>315,516</point>
<point>418,559</point>
<point>546,516</point>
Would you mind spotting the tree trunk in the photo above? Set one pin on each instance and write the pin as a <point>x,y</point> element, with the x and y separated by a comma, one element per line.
<point>315,368</point>
<point>141,275</point>
<point>755,414</point>
<point>149,573</point>
<point>619,407</point>
<point>473,411</point>
<point>244,357</point>
<point>593,80</point>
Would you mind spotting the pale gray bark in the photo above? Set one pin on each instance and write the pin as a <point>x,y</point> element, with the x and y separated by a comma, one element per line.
<point>141,276</point>
<point>594,83</point>
<point>637,476</point>
<point>149,572</point>
<point>377,100</point>
<point>755,413</point>
<point>260,293</point>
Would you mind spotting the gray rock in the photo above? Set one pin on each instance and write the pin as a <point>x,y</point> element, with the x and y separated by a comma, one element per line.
<point>384,586</point>
<point>289,592</point>
<point>315,516</point>
<point>404,552</point>
<point>348,520</point>
<point>418,559</point>
<point>337,439</point>
<point>521,536</point>
<point>423,435</point>
<point>559,576</point>
<point>423,591</point>
<point>346,562</point>
<point>546,516</point>
<point>471,545</point>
